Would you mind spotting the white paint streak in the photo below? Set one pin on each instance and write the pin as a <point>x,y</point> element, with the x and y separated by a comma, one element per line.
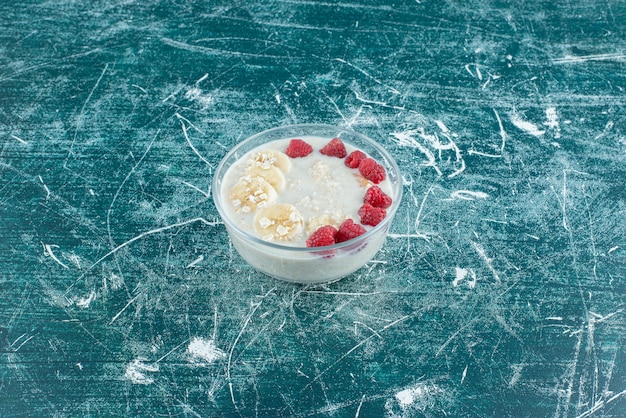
<point>123,309</point>
<point>184,127</point>
<point>478,74</point>
<point>196,261</point>
<point>84,303</point>
<point>526,126</point>
<point>488,261</point>
<point>48,253</point>
<point>75,260</point>
<point>607,128</point>
<point>517,373</point>
<point>571,59</point>
<point>206,194</point>
<point>601,403</point>
<point>141,236</point>
<point>375,102</point>
<point>16,349</point>
<point>232,348</point>
<point>503,134</point>
<point>81,115</point>
<point>137,372</point>
<point>409,138</point>
<point>18,139</point>
<point>442,126</point>
<point>468,195</point>
<point>44,187</point>
<point>358,410</point>
<point>368,75</point>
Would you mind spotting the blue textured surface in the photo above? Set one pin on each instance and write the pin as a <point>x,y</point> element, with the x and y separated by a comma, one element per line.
<point>500,292</point>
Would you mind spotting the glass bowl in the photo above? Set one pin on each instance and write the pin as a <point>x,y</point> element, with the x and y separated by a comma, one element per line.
<point>303,264</point>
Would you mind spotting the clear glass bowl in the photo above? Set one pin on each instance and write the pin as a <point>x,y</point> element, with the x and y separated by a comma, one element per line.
<point>302,264</point>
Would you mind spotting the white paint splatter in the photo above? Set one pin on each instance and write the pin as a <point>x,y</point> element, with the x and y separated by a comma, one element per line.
<point>193,93</point>
<point>75,260</point>
<point>419,397</point>
<point>84,303</point>
<point>526,126</point>
<point>552,118</point>
<point>460,275</point>
<point>408,396</point>
<point>196,94</point>
<point>115,281</point>
<point>136,372</point>
<point>205,350</point>
<point>472,283</point>
<point>552,121</point>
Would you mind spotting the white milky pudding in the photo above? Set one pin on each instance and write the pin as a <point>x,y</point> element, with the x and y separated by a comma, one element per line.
<point>307,203</point>
<point>285,199</point>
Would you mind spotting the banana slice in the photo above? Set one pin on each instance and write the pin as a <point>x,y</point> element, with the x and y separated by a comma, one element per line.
<point>316,222</point>
<point>269,158</point>
<point>271,174</point>
<point>251,192</point>
<point>281,222</point>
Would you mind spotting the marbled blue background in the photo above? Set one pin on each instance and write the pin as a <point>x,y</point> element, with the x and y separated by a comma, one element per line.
<point>500,292</point>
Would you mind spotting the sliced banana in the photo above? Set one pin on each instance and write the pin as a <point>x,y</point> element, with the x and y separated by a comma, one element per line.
<point>252,192</point>
<point>271,174</point>
<point>313,224</point>
<point>281,222</point>
<point>269,158</point>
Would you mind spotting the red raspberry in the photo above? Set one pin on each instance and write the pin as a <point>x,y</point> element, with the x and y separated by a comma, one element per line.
<point>371,215</point>
<point>298,148</point>
<point>335,148</point>
<point>354,158</point>
<point>372,171</point>
<point>377,198</point>
<point>348,230</point>
<point>324,235</point>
